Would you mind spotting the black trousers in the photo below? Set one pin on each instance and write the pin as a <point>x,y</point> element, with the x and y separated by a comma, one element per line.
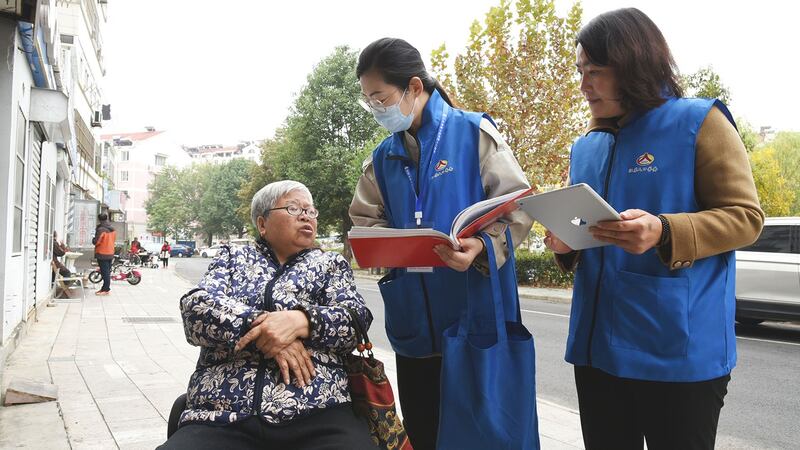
<point>619,413</point>
<point>105,272</point>
<point>418,390</point>
<point>335,428</point>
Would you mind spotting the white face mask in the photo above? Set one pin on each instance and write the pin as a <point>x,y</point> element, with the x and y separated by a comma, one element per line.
<point>392,118</point>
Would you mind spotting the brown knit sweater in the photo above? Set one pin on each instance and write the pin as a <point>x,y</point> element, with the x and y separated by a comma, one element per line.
<point>730,215</point>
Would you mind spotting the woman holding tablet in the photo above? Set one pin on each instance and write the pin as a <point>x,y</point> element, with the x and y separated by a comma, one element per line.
<point>651,332</point>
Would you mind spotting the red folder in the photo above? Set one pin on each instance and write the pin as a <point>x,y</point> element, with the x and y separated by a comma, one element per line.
<point>395,247</point>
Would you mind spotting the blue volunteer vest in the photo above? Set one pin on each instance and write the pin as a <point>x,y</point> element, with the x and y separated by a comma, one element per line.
<point>419,306</point>
<point>631,316</point>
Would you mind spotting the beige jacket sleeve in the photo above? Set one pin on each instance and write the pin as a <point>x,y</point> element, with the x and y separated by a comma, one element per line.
<point>366,208</point>
<point>731,215</point>
<point>500,174</point>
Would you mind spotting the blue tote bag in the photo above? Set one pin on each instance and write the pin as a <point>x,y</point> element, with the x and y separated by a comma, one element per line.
<point>488,390</point>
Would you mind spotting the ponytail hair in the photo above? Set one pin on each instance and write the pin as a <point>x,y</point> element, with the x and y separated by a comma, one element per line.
<point>398,62</point>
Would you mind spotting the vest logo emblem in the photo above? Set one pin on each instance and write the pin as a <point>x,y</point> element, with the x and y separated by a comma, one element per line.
<point>645,160</point>
<point>644,164</point>
<point>442,167</point>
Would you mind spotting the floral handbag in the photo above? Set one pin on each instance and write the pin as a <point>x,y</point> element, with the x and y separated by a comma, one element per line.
<point>372,394</point>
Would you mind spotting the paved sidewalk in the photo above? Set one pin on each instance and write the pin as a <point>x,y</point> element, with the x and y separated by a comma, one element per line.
<point>120,361</point>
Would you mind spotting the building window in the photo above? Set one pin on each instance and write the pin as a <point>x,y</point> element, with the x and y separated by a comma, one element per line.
<point>123,175</point>
<point>161,160</point>
<point>49,218</point>
<point>125,155</point>
<point>773,239</point>
<point>19,182</point>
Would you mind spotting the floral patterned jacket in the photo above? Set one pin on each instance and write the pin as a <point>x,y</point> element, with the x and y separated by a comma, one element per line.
<point>229,386</point>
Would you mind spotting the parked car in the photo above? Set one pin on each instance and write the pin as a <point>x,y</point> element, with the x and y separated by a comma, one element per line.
<point>210,252</point>
<point>768,274</point>
<point>330,242</point>
<point>180,250</point>
<point>241,241</point>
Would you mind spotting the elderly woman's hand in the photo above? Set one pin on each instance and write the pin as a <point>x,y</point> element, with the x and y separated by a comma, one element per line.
<point>274,331</point>
<point>296,358</point>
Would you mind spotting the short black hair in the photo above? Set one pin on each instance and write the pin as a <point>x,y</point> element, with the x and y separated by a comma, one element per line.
<point>627,41</point>
<point>102,216</point>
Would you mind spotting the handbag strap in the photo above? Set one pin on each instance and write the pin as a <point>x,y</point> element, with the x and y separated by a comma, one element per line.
<point>362,340</point>
<point>473,305</point>
<point>512,259</point>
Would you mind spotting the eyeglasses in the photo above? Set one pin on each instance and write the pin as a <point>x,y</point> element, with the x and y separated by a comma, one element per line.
<point>370,103</point>
<point>295,210</point>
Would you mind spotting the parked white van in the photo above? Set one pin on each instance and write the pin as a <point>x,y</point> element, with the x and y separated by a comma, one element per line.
<point>768,274</point>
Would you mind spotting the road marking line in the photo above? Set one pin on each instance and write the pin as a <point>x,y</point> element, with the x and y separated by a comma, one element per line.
<point>544,313</point>
<point>768,340</point>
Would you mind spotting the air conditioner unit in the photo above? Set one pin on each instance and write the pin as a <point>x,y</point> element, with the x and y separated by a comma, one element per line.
<point>96,117</point>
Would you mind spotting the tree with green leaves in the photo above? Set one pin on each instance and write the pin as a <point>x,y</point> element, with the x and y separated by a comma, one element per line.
<point>749,136</point>
<point>170,208</point>
<point>200,198</point>
<point>774,190</point>
<point>325,139</point>
<point>787,151</point>
<point>706,83</point>
<point>519,67</point>
<point>260,176</point>
<point>217,209</point>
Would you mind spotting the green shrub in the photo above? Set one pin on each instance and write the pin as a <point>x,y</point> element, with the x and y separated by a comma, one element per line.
<point>540,269</point>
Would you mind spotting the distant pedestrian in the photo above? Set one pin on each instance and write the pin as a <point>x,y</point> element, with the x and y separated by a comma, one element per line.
<point>136,247</point>
<point>59,250</point>
<point>165,249</point>
<point>104,237</point>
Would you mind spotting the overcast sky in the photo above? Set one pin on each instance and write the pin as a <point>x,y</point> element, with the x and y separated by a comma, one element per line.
<point>220,72</point>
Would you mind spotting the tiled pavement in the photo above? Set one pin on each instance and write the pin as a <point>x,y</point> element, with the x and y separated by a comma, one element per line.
<point>120,361</point>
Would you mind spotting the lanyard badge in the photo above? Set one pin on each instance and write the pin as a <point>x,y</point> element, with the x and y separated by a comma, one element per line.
<point>424,179</point>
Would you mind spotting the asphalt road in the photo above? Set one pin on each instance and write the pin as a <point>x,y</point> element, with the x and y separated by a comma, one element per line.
<point>762,408</point>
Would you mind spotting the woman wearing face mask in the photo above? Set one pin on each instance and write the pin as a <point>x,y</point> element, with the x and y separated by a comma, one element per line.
<point>651,331</point>
<point>437,161</point>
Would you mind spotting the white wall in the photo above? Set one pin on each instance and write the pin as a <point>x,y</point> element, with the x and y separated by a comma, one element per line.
<point>14,94</point>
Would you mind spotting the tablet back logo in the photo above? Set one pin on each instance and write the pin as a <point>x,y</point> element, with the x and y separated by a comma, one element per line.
<point>578,222</point>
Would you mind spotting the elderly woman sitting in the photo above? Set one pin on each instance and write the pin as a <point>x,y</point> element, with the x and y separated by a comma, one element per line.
<point>273,321</point>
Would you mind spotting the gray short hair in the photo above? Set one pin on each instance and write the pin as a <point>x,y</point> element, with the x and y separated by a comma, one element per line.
<point>266,198</point>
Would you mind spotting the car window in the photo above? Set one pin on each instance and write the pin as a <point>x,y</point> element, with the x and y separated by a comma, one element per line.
<point>796,239</point>
<point>773,239</point>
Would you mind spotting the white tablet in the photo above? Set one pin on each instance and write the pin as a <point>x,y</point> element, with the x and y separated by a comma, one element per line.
<point>569,212</point>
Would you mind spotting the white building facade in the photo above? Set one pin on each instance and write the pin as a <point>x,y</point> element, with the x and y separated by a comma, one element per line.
<point>218,154</point>
<point>42,166</point>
